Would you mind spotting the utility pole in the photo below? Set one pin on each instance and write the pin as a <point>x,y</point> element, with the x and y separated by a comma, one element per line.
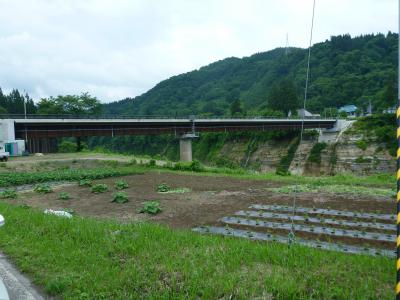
<point>398,169</point>
<point>24,104</point>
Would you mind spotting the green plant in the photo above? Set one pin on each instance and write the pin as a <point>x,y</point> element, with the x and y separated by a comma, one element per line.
<point>315,153</point>
<point>284,164</point>
<point>194,166</point>
<point>99,188</point>
<point>85,182</point>
<point>120,197</point>
<point>7,194</point>
<point>163,188</point>
<point>362,160</point>
<point>43,188</point>
<point>120,185</point>
<point>151,207</point>
<point>151,163</point>
<point>362,144</point>
<point>64,196</point>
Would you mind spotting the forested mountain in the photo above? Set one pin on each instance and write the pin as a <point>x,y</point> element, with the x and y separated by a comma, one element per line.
<point>344,70</point>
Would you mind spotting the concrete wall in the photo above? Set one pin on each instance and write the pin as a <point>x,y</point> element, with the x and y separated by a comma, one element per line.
<point>7,131</point>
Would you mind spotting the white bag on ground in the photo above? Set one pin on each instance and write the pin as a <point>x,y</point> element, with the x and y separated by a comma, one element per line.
<point>59,213</point>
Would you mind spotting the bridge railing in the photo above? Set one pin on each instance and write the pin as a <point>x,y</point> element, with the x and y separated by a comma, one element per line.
<point>97,117</point>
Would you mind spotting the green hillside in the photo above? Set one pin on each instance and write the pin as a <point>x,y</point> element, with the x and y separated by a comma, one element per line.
<point>343,70</point>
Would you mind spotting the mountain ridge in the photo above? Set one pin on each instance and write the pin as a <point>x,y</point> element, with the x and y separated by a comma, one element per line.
<point>343,70</point>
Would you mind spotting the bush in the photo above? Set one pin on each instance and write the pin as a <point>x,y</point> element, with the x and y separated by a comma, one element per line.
<point>193,166</point>
<point>151,207</point>
<point>85,182</point>
<point>120,197</point>
<point>163,188</point>
<point>151,163</point>
<point>64,196</point>
<point>67,147</point>
<point>99,188</point>
<point>120,185</point>
<point>7,194</point>
<point>43,189</point>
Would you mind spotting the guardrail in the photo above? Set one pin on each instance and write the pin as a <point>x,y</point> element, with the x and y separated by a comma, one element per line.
<point>113,117</point>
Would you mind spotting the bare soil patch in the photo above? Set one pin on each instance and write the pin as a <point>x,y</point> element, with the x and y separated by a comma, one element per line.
<point>210,199</point>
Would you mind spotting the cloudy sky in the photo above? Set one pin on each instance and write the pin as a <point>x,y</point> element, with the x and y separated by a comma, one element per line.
<point>121,48</point>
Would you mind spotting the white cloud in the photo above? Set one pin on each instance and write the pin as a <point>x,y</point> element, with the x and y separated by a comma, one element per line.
<point>122,48</point>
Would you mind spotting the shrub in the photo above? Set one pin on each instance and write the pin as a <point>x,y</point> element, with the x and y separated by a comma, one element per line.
<point>120,197</point>
<point>85,182</point>
<point>362,144</point>
<point>362,160</point>
<point>64,196</point>
<point>151,207</point>
<point>151,163</point>
<point>163,187</point>
<point>7,194</point>
<point>67,147</point>
<point>99,188</point>
<point>120,185</point>
<point>315,153</point>
<point>43,188</point>
<point>284,164</point>
<point>193,166</point>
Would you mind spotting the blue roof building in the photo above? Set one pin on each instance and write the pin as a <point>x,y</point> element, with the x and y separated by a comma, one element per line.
<point>350,110</point>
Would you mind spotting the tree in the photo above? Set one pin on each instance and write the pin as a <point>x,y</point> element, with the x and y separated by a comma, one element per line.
<point>3,110</point>
<point>236,108</point>
<point>389,94</point>
<point>83,104</point>
<point>283,96</point>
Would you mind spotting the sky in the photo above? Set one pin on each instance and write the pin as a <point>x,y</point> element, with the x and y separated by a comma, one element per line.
<point>115,49</point>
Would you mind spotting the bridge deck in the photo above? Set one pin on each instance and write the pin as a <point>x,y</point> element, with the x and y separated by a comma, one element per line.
<point>41,128</point>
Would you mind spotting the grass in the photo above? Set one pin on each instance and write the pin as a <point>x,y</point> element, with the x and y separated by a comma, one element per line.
<point>86,258</point>
<point>18,178</point>
<point>334,188</point>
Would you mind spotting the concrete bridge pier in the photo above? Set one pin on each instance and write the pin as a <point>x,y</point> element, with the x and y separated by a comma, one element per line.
<point>185,146</point>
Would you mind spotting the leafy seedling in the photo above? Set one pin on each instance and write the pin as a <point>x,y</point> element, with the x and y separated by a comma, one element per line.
<point>151,207</point>
<point>99,188</point>
<point>85,182</point>
<point>163,188</point>
<point>120,197</point>
<point>64,196</point>
<point>120,185</point>
<point>43,189</point>
<point>8,194</point>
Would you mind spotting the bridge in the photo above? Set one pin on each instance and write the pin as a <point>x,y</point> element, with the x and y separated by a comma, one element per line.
<point>38,131</point>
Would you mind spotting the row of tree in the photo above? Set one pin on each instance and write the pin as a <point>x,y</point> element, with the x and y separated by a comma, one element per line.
<point>83,104</point>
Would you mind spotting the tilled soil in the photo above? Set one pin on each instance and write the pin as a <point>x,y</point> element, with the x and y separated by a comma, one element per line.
<point>211,198</point>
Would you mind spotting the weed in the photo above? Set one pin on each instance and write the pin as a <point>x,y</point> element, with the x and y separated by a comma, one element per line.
<point>7,194</point>
<point>120,185</point>
<point>99,188</point>
<point>43,189</point>
<point>64,196</point>
<point>151,207</point>
<point>120,197</point>
<point>163,188</point>
<point>85,182</point>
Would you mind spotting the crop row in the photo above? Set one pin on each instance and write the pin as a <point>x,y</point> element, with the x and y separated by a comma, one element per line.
<point>284,239</point>
<point>322,211</point>
<point>290,217</point>
<point>312,229</point>
<point>19,178</point>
